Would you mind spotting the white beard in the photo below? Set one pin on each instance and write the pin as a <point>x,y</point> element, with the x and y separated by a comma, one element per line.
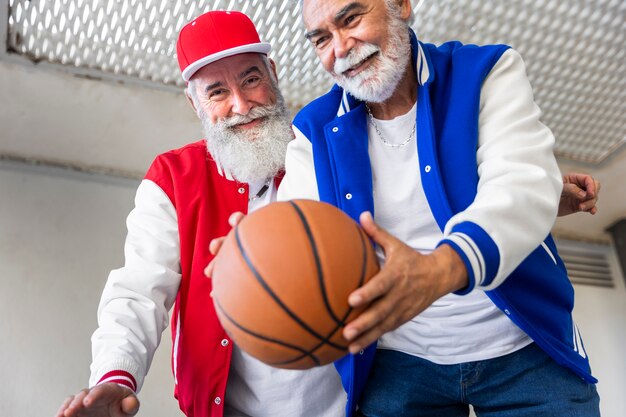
<point>254,154</point>
<point>379,81</point>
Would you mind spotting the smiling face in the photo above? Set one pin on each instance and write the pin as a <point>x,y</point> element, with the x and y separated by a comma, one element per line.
<point>234,86</point>
<point>363,44</point>
<point>245,120</point>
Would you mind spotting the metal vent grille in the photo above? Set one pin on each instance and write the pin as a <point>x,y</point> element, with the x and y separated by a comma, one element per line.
<point>574,49</point>
<point>587,264</point>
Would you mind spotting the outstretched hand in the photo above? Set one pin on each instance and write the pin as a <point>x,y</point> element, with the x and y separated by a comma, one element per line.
<point>104,400</point>
<point>406,285</point>
<point>216,244</point>
<point>580,193</point>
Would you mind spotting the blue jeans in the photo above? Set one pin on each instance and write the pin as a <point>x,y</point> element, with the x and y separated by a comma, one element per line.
<point>522,384</point>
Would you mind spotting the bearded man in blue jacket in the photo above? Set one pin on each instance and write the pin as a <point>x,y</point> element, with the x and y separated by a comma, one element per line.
<point>440,154</point>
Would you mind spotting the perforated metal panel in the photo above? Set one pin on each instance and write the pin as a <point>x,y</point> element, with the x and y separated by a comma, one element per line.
<point>575,56</point>
<point>586,263</point>
<point>574,49</point>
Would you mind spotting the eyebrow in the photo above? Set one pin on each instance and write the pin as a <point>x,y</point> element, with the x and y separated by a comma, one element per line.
<point>350,7</point>
<point>212,86</point>
<point>338,17</point>
<point>242,74</point>
<point>250,70</point>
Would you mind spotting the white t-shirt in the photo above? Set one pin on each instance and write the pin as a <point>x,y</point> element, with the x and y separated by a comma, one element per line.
<point>454,329</point>
<point>258,390</point>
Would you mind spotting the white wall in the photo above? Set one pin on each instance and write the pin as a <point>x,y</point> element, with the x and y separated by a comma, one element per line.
<point>53,115</point>
<point>600,314</point>
<point>60,234</point>
<point>611,205</point>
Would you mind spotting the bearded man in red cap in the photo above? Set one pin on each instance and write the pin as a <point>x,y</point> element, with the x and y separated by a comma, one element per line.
<point>183,203</point>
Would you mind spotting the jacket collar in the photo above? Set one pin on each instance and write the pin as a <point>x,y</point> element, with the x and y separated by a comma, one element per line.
<point>423,69</point>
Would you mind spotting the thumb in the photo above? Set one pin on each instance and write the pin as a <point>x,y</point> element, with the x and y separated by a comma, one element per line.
<point>377,233</point>
<point>573,190</point>
<point>216,244</point>
<point>130,405</point>
<point>235,218</point>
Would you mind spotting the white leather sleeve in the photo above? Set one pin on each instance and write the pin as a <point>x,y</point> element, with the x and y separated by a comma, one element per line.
<point>300,180</point>
<point>519,180</point>
<point>133,310</point>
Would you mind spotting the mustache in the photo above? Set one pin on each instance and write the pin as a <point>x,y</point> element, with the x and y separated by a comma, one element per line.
<point>255,113</point>
<point>354,57</point>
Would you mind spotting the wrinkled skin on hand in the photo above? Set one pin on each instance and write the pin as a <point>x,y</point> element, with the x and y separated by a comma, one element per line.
<point>104,400</point>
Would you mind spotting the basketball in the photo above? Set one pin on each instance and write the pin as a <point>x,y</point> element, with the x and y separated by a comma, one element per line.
<point>281,282</point>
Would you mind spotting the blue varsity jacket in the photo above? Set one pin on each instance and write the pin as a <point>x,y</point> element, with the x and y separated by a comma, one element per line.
<point>537,296</point>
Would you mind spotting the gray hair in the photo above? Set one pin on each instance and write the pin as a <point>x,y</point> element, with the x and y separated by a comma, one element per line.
<point>390,6</point>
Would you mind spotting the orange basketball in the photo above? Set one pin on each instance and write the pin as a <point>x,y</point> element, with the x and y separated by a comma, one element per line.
<point>282,278</point>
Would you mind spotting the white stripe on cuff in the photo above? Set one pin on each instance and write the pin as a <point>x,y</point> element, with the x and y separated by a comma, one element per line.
<point>467,245</point>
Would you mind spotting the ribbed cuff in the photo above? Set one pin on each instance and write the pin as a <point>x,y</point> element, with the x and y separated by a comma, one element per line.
<point>471,280</point>
<point>119,377</point>
<point>481,254</point>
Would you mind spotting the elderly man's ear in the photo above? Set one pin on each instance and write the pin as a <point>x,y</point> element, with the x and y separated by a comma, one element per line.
<point>189,99</point>
<point>407,8</point>
<point>273,68</point>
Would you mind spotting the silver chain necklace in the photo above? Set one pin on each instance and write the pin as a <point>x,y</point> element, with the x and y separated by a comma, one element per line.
<point>262,191</point>
<point>380,134</point>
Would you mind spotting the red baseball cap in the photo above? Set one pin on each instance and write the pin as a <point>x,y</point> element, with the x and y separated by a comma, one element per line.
<point>213,36</point>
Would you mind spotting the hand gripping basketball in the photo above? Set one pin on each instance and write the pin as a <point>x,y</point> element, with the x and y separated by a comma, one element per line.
<point>281,282</point>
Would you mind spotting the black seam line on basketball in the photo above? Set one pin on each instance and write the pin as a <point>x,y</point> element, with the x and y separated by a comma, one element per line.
<point>318,263</point>
<point>316,347</point>
<point>296,359</point>
<point>268,339</point>
<point>363,267</point>
<point>364,247</point>
<point>361,280</point>
<point>319,345</point>
<point>267,288</point>
<point>363,270</point>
